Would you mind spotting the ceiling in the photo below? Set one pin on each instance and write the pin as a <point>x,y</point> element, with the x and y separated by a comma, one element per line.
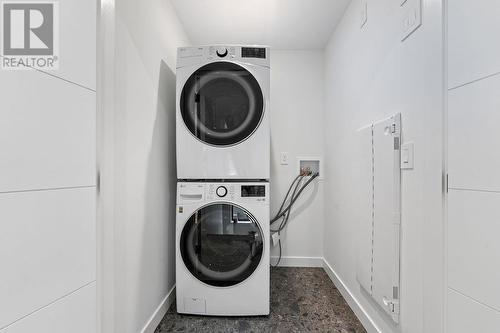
<point>281,24</point>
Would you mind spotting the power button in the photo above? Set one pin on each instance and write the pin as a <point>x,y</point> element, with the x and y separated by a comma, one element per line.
<point>221,191</point>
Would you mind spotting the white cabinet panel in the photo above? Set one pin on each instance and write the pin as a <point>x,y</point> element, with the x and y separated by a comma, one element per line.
<point>474,118</point>
<point>47,248</point>
<point>47,132</point>
<point>364,211</point>
<point>466,315</point>
<point>75,313</point>
<point>379,212</point>
<point>386,214</point>
<point>474,246</point>
<point>77,61</point>
<point>474,51</point>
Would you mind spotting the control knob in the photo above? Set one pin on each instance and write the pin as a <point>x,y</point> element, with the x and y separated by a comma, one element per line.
<point>222,52</point>
<point>221,191</point>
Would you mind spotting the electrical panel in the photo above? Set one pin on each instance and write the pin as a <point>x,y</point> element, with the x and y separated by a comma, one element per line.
<point>379,215</point>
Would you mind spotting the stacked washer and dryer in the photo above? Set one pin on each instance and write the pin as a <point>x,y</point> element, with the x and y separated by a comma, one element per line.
<point>223,167</point>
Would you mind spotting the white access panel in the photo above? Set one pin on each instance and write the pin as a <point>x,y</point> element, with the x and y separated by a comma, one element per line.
<point>387,215</point>
<point>364,212</point>
<point>378,266</point>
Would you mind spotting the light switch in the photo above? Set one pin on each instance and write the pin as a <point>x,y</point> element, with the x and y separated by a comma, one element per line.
<point>407,155</point>
<point>284,158</point>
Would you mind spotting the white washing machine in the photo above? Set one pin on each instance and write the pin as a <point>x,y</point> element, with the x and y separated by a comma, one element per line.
<point>222,248</point>
<point>222,116</point>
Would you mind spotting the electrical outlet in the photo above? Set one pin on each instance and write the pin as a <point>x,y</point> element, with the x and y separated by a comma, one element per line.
<point>284,158</point>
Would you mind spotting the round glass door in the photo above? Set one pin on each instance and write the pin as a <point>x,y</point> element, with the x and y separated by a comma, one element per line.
<point>221,244</point>
<point>222,103</point>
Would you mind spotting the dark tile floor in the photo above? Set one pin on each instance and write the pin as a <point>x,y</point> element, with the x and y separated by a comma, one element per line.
<point>302,300</point>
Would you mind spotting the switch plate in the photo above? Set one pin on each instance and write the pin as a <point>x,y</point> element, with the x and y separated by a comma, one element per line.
<point>363,14</point>
<point>407,156</point>
<point>284,158</point>
<point>412,17</point>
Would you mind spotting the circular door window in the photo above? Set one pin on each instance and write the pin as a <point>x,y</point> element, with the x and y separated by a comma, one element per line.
<point>221,244</point>
<point>222,104</point>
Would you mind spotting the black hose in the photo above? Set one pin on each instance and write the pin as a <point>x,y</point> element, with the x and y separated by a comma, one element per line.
<point>284,221</point>
<point>288,192</point>
<point>287,211</point>
<point>293,199</point>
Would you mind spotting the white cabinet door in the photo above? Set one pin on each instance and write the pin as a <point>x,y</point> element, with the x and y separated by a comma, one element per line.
<point>386,175</point>
<point>47,133</point>
<point>47,248</point>
<point>473,245</point>
<point>466,315</point>
<point>379,212</point>
<point>77,42</point>
<point>473,47</point>
<point>74,313</point>
<point>473,149</point>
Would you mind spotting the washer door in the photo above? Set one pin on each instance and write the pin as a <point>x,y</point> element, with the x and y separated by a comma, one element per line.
<point>221,244</point>
<point>222,104</point>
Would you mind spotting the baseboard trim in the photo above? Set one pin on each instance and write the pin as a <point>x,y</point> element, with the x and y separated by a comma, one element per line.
<point>356,307</point>
<point>299,261</point>
<point>160,312</point>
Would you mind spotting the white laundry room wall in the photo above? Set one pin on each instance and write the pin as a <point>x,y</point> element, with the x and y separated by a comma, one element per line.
<point>473,302</point>
<point>371,74</point>
<point>138,243</point>
<point>297,105</point>
<point>48,185</point>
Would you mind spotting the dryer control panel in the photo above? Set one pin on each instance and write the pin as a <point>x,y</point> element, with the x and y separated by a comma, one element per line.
<point>193,55</point>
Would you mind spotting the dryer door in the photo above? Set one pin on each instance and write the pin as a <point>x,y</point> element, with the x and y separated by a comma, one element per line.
<point>222,104</point>
<point>221,244</point>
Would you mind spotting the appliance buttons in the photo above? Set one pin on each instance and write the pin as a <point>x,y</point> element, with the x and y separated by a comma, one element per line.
<point>222,52</point>
<point>221,191</point>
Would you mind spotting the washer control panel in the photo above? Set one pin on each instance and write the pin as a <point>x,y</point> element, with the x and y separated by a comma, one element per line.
<point>238,192</point>
<point>199,192</point>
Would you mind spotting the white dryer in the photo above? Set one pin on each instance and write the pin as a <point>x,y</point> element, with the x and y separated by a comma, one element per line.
<point>222,248</point>
<point>223,112</point>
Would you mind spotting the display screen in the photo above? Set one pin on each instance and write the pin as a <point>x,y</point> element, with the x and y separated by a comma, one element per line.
<point>253,191</point>
<point>253,52</point>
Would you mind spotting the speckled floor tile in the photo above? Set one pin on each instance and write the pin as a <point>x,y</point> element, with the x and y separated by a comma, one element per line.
<point>302,300</point>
